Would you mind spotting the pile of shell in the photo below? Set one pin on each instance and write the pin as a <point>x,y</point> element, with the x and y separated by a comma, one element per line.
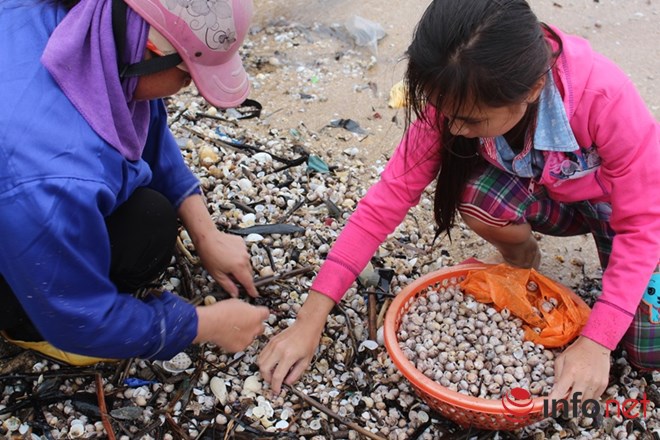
<point>470,347</point>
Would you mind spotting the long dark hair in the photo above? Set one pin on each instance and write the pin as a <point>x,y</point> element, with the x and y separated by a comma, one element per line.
<point>490,52</point>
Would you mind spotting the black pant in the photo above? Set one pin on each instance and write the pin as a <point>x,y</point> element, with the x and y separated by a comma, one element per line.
<point>142,235</point>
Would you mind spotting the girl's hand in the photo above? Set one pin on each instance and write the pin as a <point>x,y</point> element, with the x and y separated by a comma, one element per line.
<point>583,367</point>
<point>225,257</point>
<point>288,354</point>
<point>231,324</point>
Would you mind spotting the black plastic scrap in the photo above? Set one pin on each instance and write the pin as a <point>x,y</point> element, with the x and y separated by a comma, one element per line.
<point>348,124</point>
<point>277,228</point>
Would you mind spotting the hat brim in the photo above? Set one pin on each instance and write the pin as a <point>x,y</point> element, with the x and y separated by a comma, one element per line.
<point>224,86</point>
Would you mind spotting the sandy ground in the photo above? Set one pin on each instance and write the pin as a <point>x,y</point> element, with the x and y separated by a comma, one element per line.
<point>624,30</point>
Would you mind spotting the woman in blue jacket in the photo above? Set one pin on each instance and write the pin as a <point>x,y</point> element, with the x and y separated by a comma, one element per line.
<point>92,181</point>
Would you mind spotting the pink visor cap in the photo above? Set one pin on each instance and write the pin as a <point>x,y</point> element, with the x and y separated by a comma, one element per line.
<point>207,35</point>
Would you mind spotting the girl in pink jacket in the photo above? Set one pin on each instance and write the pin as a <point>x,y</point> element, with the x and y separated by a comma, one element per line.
<point>524,129</point>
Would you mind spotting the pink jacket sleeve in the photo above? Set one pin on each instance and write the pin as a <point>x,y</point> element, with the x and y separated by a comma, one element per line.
<point>413,166</point>
<point>627,138</point>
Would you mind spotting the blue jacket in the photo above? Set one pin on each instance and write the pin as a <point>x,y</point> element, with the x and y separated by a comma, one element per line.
<point>58,182</point>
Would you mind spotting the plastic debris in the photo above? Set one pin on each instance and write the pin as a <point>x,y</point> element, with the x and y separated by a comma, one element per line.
<point>365,32</point>
<point>136,382</point>
<point>127,413</point>
<point>348,124</point>
<point>317,164</point>
<point>275,228</point>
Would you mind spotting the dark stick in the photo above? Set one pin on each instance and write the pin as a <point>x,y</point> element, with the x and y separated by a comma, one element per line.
<point>372,307</point>
<point>262,281</point>
<point>293,209</point>
<point>176,428</point>
<point>332,414</point>
<point>102,408</point>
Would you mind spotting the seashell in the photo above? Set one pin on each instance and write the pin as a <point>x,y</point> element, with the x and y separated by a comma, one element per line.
<point>368,345</point>
<point>266,271</point>
<point>4,416</point>
<point>267,408</point>
<point>547,307</point>
<point>254,238</point>
<point>23,429</point>
<point>536,389</point>
<point>353,151</point>
<point>262,158</point>
<point>380,336</point>
<point>178,363</point>
<point>258,412</point>
<point>265,422</point>
<point>655,376</point>
<point>494,388</point>
<point>633,393</point>
<point>281,424</point>
<point>219,389</point>
<point>251,386</point>
<point>77,429</point>
<point>207,156</point>
<point>397,98</point>
<point>287,412</point>
<point>349,204</point>
<point>12,424</point>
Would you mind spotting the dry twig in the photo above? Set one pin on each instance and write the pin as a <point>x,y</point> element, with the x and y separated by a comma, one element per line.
<point>332,414</point>
<point>102,408</point>
<point>184,250</point>
<point>383,311</point>
<point>372,308</point>
<point>175,427</point>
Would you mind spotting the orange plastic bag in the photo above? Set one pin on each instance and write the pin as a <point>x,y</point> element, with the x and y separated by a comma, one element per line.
<point>539,301</point>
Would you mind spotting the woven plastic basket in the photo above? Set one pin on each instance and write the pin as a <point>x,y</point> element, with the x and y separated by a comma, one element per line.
<point>463,409</point>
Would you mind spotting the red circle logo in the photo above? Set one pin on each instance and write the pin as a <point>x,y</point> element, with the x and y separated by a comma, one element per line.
<point>518,404</point>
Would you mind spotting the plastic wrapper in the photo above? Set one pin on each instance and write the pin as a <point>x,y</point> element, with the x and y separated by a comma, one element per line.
<point>553,315</point>
<point>365,32</point>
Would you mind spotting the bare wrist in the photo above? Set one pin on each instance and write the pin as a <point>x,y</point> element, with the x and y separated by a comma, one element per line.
<point>196,218</point>
<point>315,310</point>
<point>203,325</point>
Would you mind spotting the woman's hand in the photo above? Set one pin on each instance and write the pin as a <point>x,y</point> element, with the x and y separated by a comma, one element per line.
<point>224,256</point>
<point>288,354</point>
<point>231,324</point>
<point>583,367</point>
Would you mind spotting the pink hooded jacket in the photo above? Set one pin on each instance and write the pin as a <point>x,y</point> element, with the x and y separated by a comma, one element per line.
<point>605,111</point>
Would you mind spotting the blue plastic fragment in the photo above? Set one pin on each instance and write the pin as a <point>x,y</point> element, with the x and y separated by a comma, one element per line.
<point>317,164</point>
<point>135,382</point>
